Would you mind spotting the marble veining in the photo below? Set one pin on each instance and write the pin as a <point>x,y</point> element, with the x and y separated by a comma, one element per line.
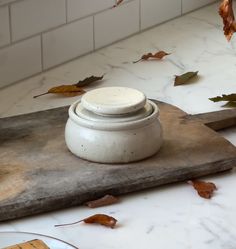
<point>173,216</point>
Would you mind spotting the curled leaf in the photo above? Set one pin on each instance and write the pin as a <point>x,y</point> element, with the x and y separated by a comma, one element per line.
<point>104,201</point>
<point>159,55</point>
<point>224,97</point>
<point>118,2</point>
<point>66,90</point>
<point>184,78</point>
<point>227,14</point>
<point>101,219</point>
<point>89,80</point>
<point>204,189</point>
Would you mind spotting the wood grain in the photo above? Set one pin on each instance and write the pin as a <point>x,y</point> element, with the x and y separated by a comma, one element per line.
<point>49,177</point>
<point>216,120</point>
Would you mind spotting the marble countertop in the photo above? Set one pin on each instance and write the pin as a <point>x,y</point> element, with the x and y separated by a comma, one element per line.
<point>172,216</point>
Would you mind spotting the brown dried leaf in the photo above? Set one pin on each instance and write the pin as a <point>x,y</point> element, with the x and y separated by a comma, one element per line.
<point>89,80</point>
<point>66,90</point>
<point>104,201</point>
<point>118,2</point>
<point>184,78</point>
<point>224,97</point>
<point>101,219</point>
<point>204,189</point>
<point>227,14</point>
<point>159,55</point>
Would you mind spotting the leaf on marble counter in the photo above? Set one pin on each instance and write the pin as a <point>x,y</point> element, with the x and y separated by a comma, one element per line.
<point>224,97</point>
<point>184,78</point>
<point>227,14</point>
<point>118,2</point>
<point>87,81</point>
<point>65,90</point>
<point>73,89</point>
<point>158,56</point>
<point>104,201</point>
<point>204,189</point>
<point>101,219</point>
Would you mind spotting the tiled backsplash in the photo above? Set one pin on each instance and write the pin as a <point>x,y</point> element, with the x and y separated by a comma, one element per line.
<point>36,35</point>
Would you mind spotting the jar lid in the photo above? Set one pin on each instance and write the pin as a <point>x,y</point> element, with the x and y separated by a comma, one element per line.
<point>91,116</point>
<point>113,101</point>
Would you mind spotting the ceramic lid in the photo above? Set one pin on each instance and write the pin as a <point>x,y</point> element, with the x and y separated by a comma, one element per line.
<point>113,100</point>
<point>91,116</point>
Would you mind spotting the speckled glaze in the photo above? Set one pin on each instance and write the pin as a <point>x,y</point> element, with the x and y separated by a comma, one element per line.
<point>122,139</point>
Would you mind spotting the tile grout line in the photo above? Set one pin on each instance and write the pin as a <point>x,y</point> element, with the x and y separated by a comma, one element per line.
<point>140,6</point>
<point>93,32</point>
<point>10,2</point>
<point>10,23</point>
<point>66,9</point>
<point>42,61</point>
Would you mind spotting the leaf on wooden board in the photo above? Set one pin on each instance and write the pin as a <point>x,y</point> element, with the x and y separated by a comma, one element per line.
<point>159,55</point>
<point>104,201</point>
<point>230,104</point>
<point>227,14</point>
<point>118,2</point>
<point>101,219</point>
<point>204,189</point>
<point>184,78</point>
<point>66,90</point>
<point>87,81</point>
<point>224,97</point>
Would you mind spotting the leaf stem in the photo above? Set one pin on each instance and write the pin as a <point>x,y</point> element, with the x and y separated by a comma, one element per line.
<point>36,96</point>
<point>68,224</point>
<point>137,61</point>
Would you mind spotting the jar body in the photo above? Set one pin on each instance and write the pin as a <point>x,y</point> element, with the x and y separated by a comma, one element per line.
<point>114,146</point>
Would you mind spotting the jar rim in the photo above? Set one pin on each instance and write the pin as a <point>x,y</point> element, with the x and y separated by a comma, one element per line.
<point>108,126</point>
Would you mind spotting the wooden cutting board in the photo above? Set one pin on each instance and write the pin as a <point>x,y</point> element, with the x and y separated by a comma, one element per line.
<point>39,174</point>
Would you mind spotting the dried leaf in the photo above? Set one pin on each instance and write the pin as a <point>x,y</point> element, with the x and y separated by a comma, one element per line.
<point>159,55</point>
<point>72,90</point>
<point>224,97</point>
<point>204,189</point>
<point>118,2</point>
<point>89,80</point>
<point>104,201</point>
<point>230,104</point>
<point>101,219</point>
<point>66,90</point>
<point>227,14</point>
<point>184,78</point>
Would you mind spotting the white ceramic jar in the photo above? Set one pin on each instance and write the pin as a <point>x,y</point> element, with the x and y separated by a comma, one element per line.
<point>113,125</point>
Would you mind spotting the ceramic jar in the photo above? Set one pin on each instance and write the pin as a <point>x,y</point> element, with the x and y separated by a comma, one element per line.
<point>113,125</point>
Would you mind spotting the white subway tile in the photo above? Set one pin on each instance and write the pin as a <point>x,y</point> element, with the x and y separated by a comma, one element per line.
<point>67,42</point>
<point>189,5</point>
<point>116,23</point>
<point>80,8</point>
<point>157,11</point>
<point>20,60</point>
<point>33,16</point>
<point>4,26</point>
